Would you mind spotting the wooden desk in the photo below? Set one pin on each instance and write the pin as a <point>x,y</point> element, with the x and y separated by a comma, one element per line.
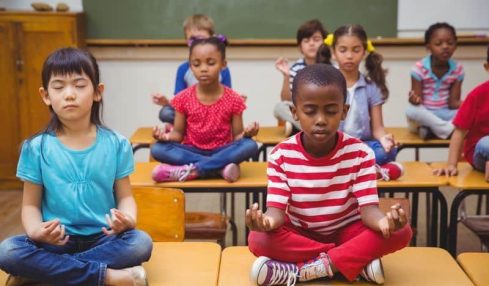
<point>269,136</point>
<point>183,263</point>
<point>418,178</point>
<point>408,139</point>
<point>469,182</point>
<point>407,267</point>
<point>253,182</point>
<point>142,138</point>
<point>475,266</point>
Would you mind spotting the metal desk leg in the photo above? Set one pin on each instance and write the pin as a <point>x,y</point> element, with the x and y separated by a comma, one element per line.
<point>452,228</point>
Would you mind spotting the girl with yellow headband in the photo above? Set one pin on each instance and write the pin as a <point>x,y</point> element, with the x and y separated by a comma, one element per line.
<point>349,46</point>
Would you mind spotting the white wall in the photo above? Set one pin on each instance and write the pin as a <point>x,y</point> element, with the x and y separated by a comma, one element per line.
<point>467,16</point>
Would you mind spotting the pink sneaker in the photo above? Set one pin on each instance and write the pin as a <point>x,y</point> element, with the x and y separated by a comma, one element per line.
<point>167,173</point>
<point>389,171</point>
<point>230,172</point>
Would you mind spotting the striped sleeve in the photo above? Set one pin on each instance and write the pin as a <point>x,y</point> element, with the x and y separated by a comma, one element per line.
<point>416,72</point>
<point>460,72</point>
<point>278,191</point>
<point>364,187</point>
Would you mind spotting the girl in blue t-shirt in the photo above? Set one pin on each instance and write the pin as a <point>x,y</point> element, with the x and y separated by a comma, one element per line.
<point>366,93</point>
<point>78,211</point>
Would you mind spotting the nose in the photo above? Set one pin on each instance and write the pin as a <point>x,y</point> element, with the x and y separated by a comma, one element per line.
<point>69,93</point>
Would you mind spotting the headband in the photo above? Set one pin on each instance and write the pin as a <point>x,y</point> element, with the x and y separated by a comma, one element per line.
<point>328,41</point>
<point>220,37</point>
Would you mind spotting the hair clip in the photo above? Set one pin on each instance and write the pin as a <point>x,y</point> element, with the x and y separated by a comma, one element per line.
<point>192,39</point>
<point>370,47</point>
<point>221,38</point>
<point>328,41</point>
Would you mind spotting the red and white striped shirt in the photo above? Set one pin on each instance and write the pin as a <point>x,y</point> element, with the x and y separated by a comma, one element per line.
<point>322,194</point>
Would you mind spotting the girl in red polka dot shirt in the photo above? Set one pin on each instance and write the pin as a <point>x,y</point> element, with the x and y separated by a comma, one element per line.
<point>207,138</point>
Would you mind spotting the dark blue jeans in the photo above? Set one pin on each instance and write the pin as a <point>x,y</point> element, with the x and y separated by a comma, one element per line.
<point>381,157</point>
<point>82,261</point>
<point>167,114</point>
<point>207,162</point>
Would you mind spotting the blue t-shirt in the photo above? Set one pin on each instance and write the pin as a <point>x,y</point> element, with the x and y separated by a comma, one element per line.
<point>185,77</point>
<point>78,184</point>
<point>357,122</point>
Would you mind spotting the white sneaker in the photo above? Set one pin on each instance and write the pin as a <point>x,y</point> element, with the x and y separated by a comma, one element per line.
<point>138,275</point>
<point>374,272</point>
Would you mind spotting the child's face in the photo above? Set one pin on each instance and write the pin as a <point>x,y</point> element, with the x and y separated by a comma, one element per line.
<point>349,53</point>
<point>196,33</point>
<point>71,96</point>
<point>206,63</point>
<point>319,110</point>
<point>442,44</point>
<point>309,46</point>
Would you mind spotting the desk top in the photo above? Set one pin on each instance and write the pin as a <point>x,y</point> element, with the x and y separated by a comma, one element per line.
<point>475,266</point>
<point>253,175</point>
<point>409,266</point>
<point>416,174</point>
<point>183,263</point>
<point>270,135</point>
<point>405,137</point>
<point>467,179</point>
<point>142,135</point>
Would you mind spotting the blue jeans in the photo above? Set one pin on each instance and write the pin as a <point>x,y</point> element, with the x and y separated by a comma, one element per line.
<point>381,157</point>
<point>82,261</point>
<point>167,114</point>
<point>207,162</point>
<point>481,154</point>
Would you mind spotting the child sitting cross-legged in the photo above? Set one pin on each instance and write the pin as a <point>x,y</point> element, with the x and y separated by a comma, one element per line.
<point>208,137</point>
<point>322,212</point>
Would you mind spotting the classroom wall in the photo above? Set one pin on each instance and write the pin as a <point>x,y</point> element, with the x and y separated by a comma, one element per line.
<point>132,74</point>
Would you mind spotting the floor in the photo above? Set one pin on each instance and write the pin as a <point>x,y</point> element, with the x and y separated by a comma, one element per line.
<point>10,212</point>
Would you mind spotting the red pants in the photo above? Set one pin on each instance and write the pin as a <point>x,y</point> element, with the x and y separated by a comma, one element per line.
<point>350,248</point>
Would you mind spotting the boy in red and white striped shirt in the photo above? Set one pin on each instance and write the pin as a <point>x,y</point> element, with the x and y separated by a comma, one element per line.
<point>322,205</point>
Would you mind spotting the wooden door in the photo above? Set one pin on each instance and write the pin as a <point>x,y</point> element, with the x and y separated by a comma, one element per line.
<point>9,127</point>
<point>38,37</point>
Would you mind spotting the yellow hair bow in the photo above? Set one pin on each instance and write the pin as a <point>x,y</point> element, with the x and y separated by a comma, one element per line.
<point>370,46</point>
<point>329,40</point>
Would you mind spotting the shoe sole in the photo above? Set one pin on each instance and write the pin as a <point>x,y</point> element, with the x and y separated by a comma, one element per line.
<point>231,173</point>
<point>377,276</point>
<point>256,269</point>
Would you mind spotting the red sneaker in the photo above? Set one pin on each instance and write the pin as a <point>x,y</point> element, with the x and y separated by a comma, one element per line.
<point>170,173</point>
<point>389,171</point>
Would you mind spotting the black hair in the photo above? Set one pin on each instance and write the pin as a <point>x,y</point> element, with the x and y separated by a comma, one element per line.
<point>320,75</point>
<point>219,42</point>
<point>323,55</point>
<point>440,25</point>
<point>308,29</point>
<point>487,59</point>
<point>66,61</point>
<point>373,62</point>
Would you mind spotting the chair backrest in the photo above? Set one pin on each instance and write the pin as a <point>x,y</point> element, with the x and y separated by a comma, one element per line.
<point>161,212</point>
<point>386,203</point>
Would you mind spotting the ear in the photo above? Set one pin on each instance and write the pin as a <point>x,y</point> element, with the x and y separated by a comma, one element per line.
<point>98,93</point>
<point>486,66</point>
<point>224,63</point>
<point>293,109</point>
<point>346,107</point>
<point>45,96</point>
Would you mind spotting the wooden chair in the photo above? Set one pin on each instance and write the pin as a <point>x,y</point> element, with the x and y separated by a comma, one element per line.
<point>161,212</point>
<point>475,266</point>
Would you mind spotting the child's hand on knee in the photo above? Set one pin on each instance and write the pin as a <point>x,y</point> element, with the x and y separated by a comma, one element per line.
<point>387,141</point>
<point>256,220</point>
<point>251,130</point>
<point>118,222</point>
<point>50,232</point>
<point>161,134</point>
<point>159,99</point>
<point>414,98</point>
<point>394,220</point>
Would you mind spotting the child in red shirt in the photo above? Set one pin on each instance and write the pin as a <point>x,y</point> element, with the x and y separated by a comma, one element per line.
<point>472,126</point>
<point>208,137</point>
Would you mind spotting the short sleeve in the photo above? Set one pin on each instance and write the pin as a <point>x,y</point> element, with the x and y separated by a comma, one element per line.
<point>461,72</point>
<point>416,73</point>
<point>125,159</point>
<point>29,166</point>
<point>374,95</point>
<point>464,119</point>
<point>364,187</point>
<point>226,77</point>
<point>238,104</point>
<point>278,190</point>
<point>178,102</point>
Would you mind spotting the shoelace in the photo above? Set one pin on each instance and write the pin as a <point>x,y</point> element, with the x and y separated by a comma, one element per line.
<point>283,273</point>
<point>316,269</point>
<point>181,173</point>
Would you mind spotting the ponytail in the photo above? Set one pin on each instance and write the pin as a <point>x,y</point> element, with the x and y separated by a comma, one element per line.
<point>376,73</point>
<point>323,55</point>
